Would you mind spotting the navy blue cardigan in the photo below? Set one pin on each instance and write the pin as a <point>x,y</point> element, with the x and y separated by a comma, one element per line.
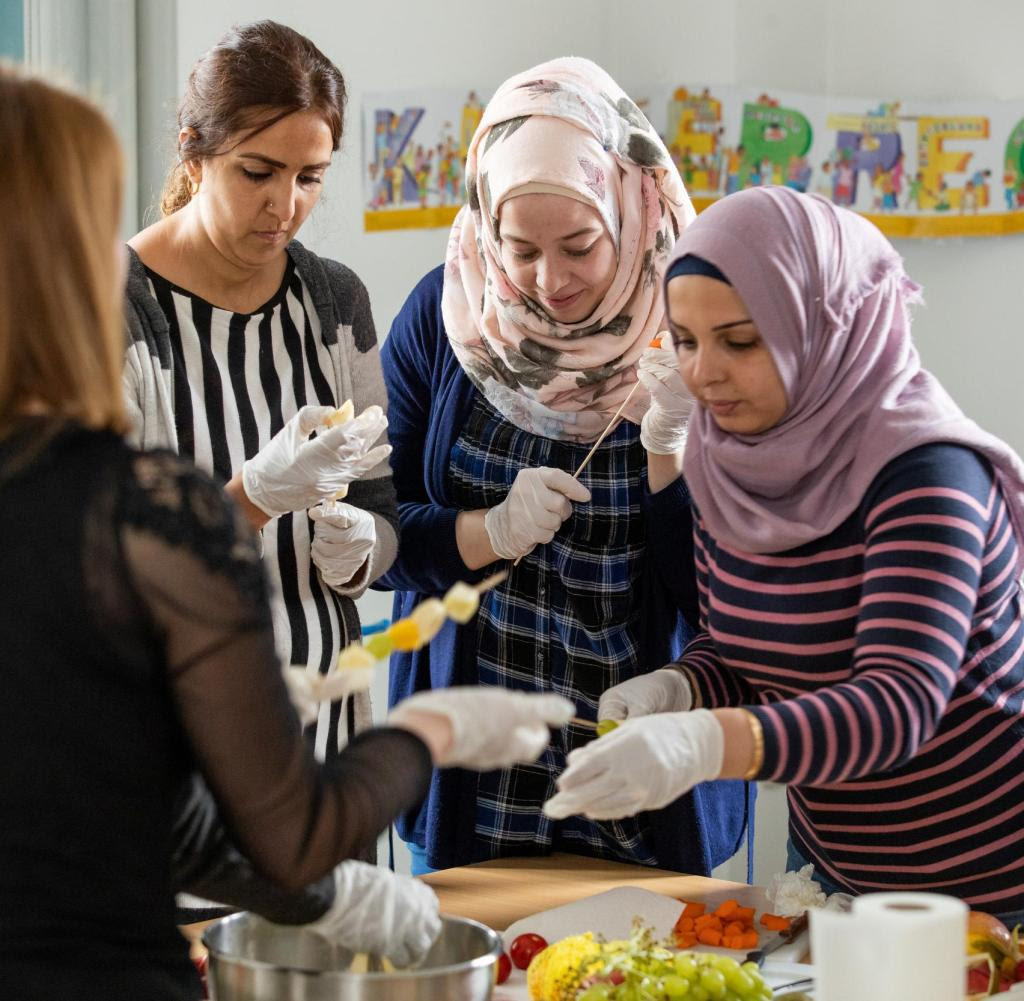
<point>429,400</point>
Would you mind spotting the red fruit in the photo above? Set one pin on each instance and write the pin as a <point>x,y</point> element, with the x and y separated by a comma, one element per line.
<point>524,947</point>
<point>504,969</point>
<point>1018,971</point>
<point>977,980</point>
<point>1004,985</point>
<point>201,963</point>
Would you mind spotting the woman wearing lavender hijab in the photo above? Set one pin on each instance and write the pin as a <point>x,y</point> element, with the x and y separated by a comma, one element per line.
<point>858,549</point>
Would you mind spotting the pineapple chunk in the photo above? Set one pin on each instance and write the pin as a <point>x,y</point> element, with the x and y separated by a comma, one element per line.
<point>342,415</point>
<point>429,616</point>
<point>461,602</point>
<point>354,657</point>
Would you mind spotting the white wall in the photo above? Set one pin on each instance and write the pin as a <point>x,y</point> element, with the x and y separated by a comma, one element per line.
<point>970,331</point>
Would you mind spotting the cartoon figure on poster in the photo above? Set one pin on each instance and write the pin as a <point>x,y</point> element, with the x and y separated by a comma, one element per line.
<point>414,167</point>
<point>694,138</point>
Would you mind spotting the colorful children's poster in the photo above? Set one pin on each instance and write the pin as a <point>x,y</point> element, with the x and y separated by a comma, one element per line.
<point>915,168</point>
<point>414,147</point>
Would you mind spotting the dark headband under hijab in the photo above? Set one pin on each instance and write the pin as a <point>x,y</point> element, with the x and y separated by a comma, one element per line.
<point>691,264</point>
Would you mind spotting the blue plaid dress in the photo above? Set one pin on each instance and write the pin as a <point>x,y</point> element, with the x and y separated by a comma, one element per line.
<point>565,621</point>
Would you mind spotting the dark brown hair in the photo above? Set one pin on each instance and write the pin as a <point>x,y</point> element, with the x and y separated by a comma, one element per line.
<point>254,76</point>
<point>61,339</point>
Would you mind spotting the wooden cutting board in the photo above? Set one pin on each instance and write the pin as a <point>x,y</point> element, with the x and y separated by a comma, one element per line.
<point>500,892</point>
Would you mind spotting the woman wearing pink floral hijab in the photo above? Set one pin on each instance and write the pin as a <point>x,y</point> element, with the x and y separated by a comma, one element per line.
<point>858,547</point>
<point>503,368</point>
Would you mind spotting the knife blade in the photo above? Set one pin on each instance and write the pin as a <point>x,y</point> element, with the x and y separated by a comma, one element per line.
<point>796,928</point>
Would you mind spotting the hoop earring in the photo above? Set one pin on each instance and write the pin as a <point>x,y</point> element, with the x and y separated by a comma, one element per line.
<point>193,188</point>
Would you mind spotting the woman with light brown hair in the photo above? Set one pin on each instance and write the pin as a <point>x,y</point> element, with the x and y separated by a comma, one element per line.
<point>136,633</point>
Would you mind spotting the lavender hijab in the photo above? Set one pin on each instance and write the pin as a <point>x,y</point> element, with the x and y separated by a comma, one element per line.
<point>829,295</point>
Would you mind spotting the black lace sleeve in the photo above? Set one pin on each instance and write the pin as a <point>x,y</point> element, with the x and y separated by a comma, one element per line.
<point>197,574</point>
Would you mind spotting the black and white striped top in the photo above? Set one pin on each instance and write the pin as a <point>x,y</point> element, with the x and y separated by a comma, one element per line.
<point>237,378</point>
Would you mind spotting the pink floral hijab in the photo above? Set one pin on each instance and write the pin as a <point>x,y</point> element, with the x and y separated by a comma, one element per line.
<point>562,127</point>
<point>829,295</point>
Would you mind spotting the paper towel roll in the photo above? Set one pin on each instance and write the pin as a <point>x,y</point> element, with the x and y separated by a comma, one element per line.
<point>891,947</point>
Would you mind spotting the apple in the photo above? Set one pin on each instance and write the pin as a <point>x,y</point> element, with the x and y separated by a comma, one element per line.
<point>985,933</point>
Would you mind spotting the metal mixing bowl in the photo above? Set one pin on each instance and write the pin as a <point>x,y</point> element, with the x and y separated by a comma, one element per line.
<point>253,960</point>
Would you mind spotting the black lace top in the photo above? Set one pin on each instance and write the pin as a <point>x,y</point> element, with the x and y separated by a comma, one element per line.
<point>136,648</point>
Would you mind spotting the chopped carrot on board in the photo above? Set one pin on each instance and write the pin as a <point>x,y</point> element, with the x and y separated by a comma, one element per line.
<point>710,937</point>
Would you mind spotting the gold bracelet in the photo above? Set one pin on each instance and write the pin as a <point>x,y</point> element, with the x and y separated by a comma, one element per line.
<point>757,759</point>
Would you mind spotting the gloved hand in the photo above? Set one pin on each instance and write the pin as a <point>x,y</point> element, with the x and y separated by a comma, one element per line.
<point>663,691</point>
<point>292,472</point>
<point>491,727</point>
<point>533,511</point>
<point>644,764</point>
<point>663,428</point>
<point>376,910</point>
<point>341,542</point>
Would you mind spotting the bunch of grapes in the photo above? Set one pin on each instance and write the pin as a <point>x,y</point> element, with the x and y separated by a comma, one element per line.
<point>643,971</point>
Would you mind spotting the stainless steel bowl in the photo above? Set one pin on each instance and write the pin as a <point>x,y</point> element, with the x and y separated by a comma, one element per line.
<point>253,960</point>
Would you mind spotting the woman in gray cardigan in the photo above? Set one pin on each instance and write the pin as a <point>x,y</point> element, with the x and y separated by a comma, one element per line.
<point>242,341</point>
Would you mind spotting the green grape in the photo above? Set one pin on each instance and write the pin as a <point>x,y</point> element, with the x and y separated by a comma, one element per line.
<point>698,993</point>
<point>751,967</point>
<point>378,645</point>
<point>674,986</point>
<point>713,982</point>
<point>740,981</point>
<point>686,965</point>
<point>606,726</point>
<point>598,992</point>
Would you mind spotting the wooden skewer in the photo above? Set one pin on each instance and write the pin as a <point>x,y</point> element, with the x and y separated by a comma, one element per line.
<point>604,434</point>
<point>493,581</point>
<point>588,723</point>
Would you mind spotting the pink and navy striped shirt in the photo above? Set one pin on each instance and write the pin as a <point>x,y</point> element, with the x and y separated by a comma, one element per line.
<point>885,662</point>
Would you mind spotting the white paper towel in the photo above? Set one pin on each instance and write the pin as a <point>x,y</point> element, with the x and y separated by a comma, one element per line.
<point>891,947</point>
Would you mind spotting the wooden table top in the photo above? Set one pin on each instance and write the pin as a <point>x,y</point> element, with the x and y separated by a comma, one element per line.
<point>502,891</point>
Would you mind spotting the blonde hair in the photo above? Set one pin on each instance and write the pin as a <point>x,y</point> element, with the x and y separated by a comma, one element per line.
<point>61,329</point>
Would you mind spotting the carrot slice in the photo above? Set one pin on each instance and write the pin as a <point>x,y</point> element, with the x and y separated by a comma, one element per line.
<point>744,914</point>
<point>709,936</point>
<point>774,922</point>
<point>749,940</point>
<point>727,908</point>
<point>692,909</point>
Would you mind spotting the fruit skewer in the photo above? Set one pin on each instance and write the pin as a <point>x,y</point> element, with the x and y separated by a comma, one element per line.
<point>356,663</point>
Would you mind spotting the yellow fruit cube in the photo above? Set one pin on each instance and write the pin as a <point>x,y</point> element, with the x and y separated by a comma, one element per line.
<point>342,415</point>
<point>404,635</point>
<point>354,657</point>
<point>461,602</point>
<point>429,616</point>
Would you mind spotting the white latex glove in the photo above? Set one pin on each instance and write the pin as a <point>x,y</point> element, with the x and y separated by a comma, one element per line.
<point>663,691</point>
<point>341,542</point>
<point>663,428</point>
<point>293,472</point>
<point>377,910</point>
<point>533,511</point>
<point>644,764</point>
<point>491,727</point>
